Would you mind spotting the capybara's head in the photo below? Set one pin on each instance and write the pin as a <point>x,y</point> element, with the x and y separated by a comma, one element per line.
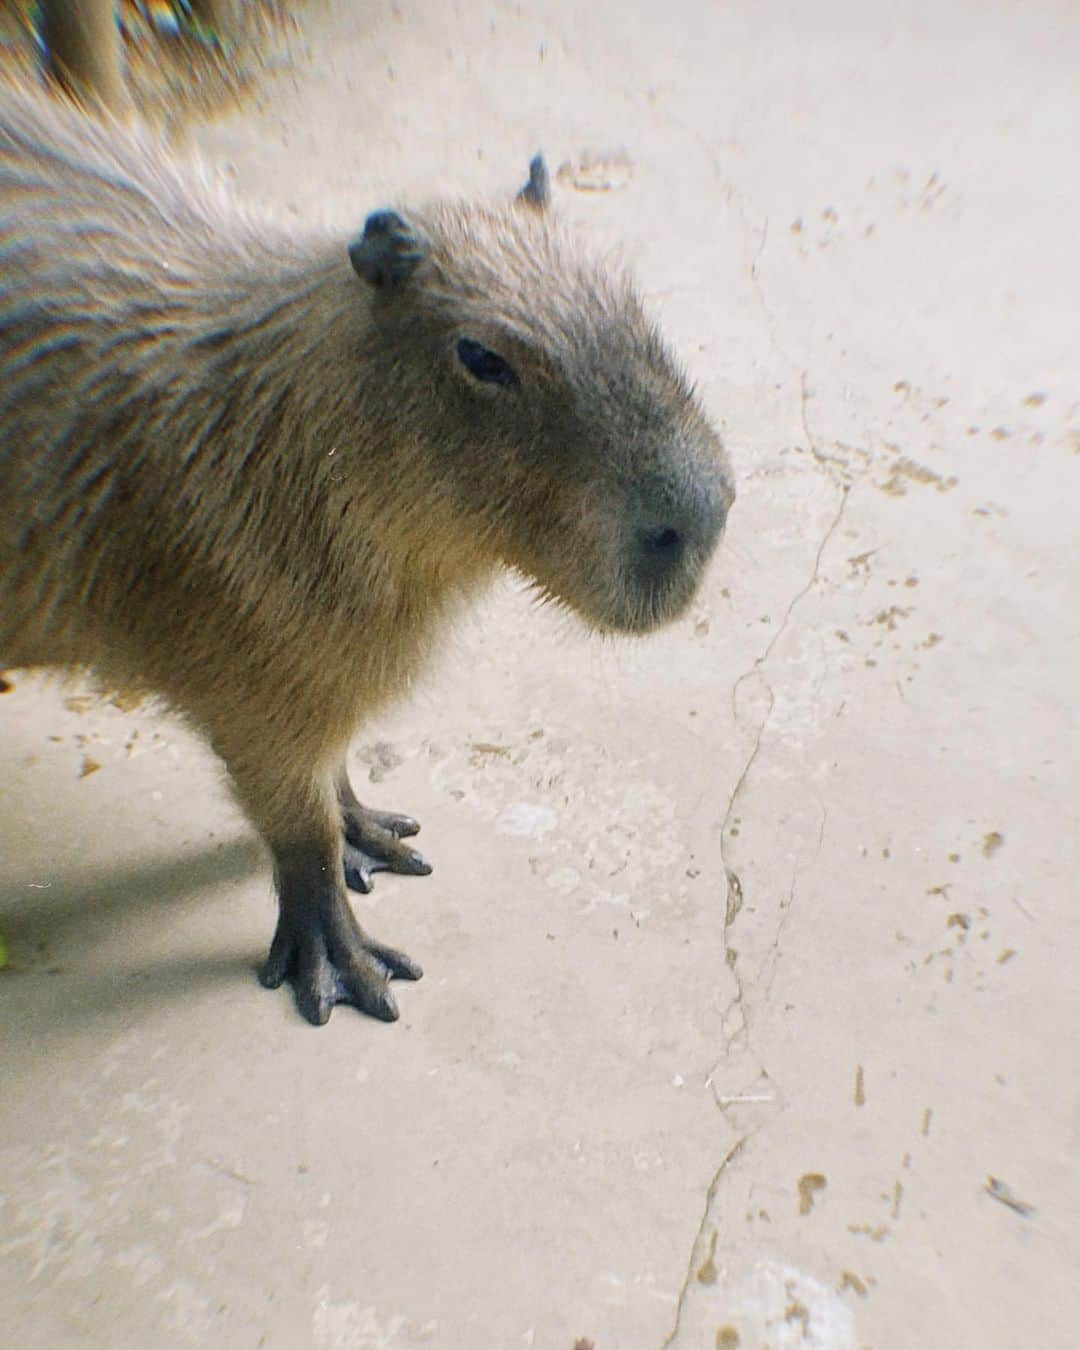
<point>557,425</point>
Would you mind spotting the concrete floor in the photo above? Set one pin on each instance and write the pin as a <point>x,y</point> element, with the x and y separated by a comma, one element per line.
<point>751,1007</point>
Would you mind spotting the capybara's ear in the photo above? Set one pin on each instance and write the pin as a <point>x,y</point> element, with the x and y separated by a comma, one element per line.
<point>537,191</point>
<point>389,250</point>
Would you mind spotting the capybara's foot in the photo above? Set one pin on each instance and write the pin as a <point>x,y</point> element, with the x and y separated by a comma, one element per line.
<point>373,843</point>
<point>328,958</point>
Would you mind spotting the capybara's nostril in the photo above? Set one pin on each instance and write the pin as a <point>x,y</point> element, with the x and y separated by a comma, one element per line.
<point>664,542</point>
<point>661,549</point>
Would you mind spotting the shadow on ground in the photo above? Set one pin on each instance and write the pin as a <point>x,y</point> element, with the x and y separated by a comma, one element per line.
<point>56,928</point>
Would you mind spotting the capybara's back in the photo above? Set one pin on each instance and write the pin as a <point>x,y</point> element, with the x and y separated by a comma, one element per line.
<point>252,470</point>
<point>104,253</point>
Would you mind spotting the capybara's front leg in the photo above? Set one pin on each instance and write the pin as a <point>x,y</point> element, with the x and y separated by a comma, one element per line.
<point>319,946</point>
<point>373,840</point>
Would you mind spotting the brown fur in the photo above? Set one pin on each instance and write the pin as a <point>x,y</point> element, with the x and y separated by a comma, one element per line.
<point>237,476</point>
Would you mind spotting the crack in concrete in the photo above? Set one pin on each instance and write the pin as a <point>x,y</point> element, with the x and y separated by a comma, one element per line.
<point>828,462</point>
<point>710,1195</point>
<point>838,473</point>
<point>773,955</point>
<point>759,289</point>
<point>732,197</point>
<point>756,282</point>
<point>734,899</point>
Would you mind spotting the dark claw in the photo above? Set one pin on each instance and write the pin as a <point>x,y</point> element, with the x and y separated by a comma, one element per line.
<point>358,869</point>
<point>399,826</point>
<point>314,994</point>
<point>382,1005</point>
<point>397,965</point>
<point>276,966</point>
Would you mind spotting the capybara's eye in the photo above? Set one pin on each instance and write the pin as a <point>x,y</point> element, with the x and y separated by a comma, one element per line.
<point>486,366</point>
